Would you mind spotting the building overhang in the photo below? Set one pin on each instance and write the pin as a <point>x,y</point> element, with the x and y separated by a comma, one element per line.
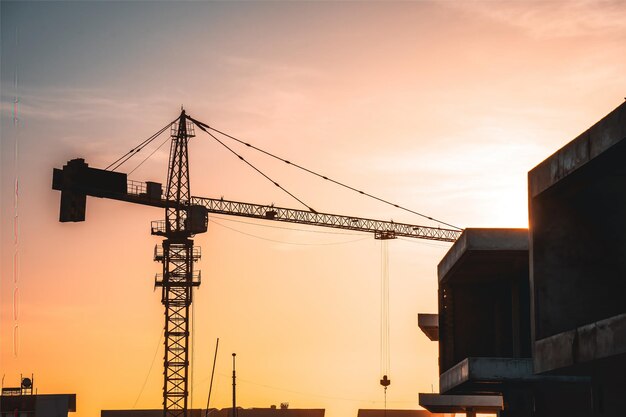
<point>480,375</point>
<point>438,403</point>
<point>429,324</point>
<point>481,254</point>
<point>578,349</point>
<point>596,140</point>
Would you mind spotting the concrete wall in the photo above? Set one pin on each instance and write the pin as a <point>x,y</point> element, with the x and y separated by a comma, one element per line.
<point>479,322</point>
<point>578,246</point>
<point>577,207</point>
<point>577,201</point>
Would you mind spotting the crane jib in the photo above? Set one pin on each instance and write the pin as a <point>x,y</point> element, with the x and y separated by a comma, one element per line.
<point>76,180</point>
<point>381,229</point>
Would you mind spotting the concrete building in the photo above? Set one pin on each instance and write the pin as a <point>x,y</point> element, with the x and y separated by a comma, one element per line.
<point>484,301</point>
<point>577,201</point>
<point>484,333</point>
<point>483,293</point>
<point>23,401</point>
<point>537,320</point>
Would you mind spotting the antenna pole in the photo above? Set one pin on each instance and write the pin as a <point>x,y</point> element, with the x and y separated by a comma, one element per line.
<point>217,343</point>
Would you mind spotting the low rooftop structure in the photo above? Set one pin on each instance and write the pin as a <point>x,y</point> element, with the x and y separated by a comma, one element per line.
<point>39,405</point>
<point>23,400</point>
<point>224,412</point>
<point>394,413</point>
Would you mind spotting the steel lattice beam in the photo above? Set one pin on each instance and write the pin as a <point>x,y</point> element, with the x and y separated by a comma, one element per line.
<point>378,227</point>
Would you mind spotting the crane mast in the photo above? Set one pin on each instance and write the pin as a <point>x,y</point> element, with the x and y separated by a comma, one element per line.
<point>185,216</point>
<point>178,279</point>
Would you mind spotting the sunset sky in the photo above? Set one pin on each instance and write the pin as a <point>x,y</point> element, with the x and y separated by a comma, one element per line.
<point>439,106</point>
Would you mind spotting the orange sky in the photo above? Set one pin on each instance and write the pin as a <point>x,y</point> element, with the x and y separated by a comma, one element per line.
<point>442,107</point>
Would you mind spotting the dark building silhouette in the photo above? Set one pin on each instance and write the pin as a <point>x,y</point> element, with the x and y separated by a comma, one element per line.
<point>23,401</point>
<point>536,320</point>
<point>485,358</point>
<point>577,201</point>
<point>396,413</point>
<point>225,412</point>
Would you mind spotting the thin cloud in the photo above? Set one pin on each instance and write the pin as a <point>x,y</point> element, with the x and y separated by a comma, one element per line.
<point>72,104</point>
<point>555,19</point>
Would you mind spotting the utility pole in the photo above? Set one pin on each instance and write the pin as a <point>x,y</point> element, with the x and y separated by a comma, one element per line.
<point>217,344</point>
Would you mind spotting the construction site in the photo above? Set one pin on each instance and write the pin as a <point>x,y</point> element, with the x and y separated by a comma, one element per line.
<point>531,322</point>
<point>410,209</point>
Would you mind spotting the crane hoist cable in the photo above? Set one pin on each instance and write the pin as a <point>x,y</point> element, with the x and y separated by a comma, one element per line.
<point>208,127</point>
<point>385,360</point>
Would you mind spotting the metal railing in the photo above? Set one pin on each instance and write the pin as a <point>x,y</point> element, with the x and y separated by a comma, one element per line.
<point>159,253</point>
<point>196,279</point>
<point>158,227</point>
<point>136,187</point>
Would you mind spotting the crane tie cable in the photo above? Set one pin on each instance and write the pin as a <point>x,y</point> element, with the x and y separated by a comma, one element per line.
<point>205,126</point>
<point>124,158</point>
<point>147,157</point>
<point>201,126</point>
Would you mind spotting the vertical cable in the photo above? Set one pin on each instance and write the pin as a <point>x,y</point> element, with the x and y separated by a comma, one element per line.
<point>384,314</point>
<point>191,360</point>
<point>387,319</point>
<point>384,317</point>
<point>382,309</point>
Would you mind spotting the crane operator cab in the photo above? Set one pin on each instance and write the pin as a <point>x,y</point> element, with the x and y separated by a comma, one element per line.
<point>197,220</point>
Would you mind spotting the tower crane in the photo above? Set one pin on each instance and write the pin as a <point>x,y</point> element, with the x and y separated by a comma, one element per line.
<point>186,216</point>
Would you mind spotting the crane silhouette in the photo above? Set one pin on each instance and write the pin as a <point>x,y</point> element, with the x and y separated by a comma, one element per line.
<point>186,216</point>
